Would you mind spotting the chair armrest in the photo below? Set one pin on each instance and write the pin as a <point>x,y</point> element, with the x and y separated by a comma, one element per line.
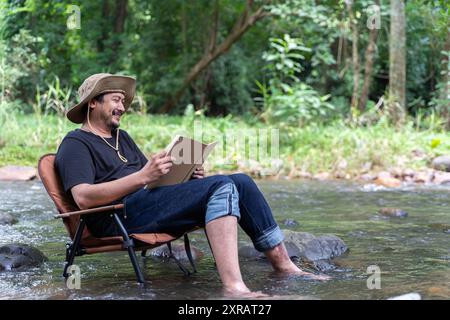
<point>89,211</point>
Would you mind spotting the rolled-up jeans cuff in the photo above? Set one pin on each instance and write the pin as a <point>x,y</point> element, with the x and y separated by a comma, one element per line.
<point>269,239</point>
<point>223,202</point>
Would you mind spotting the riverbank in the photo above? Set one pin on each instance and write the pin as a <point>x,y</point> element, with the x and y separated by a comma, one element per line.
<point>379,153</point>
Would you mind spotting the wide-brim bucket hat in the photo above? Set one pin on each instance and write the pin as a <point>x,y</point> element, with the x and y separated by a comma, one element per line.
<point>97,84</point>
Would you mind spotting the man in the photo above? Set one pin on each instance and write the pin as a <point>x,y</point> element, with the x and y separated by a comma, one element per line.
<point>100,165</point>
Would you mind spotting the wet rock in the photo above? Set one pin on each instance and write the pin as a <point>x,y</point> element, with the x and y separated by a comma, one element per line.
<point>367,177</point>
<point>333,243</point>
<point>388,182</point>
<point>384,175</point>
<point>6,218</point>
<point>397,172</point>
<point>304,175</point>
<point>319,265</point>
<point>408,179</point>
<point>16,173</point>
<point>178,251</point>
<point>366,167</point>
<point>408,173</point>
<point>439,292</point>
<point>441,177</point>
<point>290,223</point>
<point>393,212</point>
<point>252,166</point>
<point>340,175</point>
<point>317,250</point>
<point>440,227</point>
<point>322,176</point>
<point>276,165</point>
<point>441,163</point>
<point>323,265</point>
<point>249,252</point>
<point>423,177</point>
<point>408,296</point>
<point>342,165</point>
<point>19,257</point>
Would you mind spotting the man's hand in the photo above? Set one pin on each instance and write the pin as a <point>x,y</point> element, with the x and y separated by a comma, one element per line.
<point>198,173</point>
<point>158,165</point>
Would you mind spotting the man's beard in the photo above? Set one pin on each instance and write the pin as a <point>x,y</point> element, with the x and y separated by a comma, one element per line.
<point>114,125</point>
<point>110,123</point>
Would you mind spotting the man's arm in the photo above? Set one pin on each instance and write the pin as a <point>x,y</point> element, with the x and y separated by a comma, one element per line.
<point>93,195</point>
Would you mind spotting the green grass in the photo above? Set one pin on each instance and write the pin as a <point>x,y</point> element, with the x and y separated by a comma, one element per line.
<point>314,149</point>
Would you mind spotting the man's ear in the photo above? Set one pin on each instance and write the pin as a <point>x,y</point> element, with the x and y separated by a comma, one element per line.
<point>92,104</point>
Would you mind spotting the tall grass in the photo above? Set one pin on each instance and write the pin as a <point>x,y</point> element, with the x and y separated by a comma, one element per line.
<point>315,148</point>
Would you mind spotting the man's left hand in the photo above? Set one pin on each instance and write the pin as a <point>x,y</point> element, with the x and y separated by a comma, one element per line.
<point>198,173</point>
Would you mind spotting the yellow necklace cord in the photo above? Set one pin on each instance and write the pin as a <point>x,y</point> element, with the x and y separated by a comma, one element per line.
<point>116,148</point>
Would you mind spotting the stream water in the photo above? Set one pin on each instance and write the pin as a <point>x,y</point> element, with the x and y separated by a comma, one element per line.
<point>412,253</point>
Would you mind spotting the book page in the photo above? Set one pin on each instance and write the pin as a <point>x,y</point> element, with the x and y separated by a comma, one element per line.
<point>188,155</point>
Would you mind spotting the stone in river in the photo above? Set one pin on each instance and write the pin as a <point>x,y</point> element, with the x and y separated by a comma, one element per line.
<point>393,212</point>
<point>19,257</point>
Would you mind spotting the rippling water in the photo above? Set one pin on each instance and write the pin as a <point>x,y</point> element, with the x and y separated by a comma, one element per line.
<point>413,253</point>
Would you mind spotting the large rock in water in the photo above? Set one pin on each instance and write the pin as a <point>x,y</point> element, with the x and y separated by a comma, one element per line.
<point>6,218</point>
<point>315,250</point>
<point>17,173</point>
<point>441,177</point>
<point>178,251</point>
<point>441,163</point>
<point>19,257</point>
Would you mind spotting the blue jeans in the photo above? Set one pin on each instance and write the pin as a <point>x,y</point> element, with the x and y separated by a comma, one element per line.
<point>180,208</point>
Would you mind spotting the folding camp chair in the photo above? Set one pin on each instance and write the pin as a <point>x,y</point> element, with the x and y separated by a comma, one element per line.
<point>83,242</point>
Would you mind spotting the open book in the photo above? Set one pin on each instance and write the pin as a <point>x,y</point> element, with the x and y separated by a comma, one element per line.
<point>188,155</point>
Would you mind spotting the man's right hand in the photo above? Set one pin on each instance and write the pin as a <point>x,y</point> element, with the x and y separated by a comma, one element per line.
<point>158,165</point>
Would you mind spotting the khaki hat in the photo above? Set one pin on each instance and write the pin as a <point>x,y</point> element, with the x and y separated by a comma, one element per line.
<point>97,84</point>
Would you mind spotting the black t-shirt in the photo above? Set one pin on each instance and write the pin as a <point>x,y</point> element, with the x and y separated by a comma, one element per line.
<point>84,157</point>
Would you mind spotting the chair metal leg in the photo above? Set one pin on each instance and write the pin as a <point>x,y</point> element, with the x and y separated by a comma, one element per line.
<point>179,264</point>
<point>134,262</point>
<point>187,248</point>
<point>73,248</point>
<point>129,245</point>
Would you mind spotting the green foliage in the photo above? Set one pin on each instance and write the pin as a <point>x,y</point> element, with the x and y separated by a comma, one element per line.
<point>285,99</point>
<point>294,105</point>
<point>441,97</point>
<point>54,99</point>
<point>160,41</point>
<point>284,60</point>
<point>20,65</point>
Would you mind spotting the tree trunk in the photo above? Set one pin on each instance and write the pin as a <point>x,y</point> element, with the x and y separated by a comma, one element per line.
<point>397,62</point>
<point>119,28</point>
<point>368,67</point>
<point>121,14</point>
<point>206,85</point>
<point>242,25</point>
<point>104,25</point>
<point>184,32</point>
<point>445,93</point>
<point>355,57</point>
